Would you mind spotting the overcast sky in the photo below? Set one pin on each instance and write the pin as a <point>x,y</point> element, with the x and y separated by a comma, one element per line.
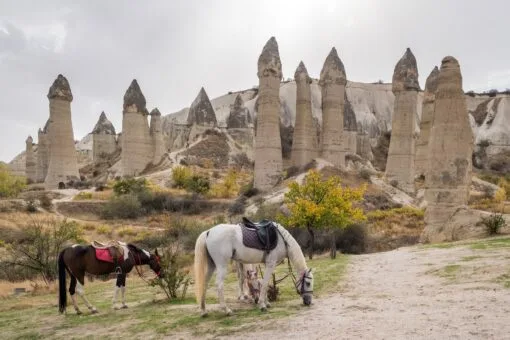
<point>174,47</point>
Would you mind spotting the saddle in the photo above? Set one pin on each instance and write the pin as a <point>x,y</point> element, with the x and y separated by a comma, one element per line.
<point>262,235</point>
<point>114,248</point>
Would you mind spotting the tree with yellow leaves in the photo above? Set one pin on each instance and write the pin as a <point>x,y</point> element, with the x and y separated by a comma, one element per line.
<point>319,204</point>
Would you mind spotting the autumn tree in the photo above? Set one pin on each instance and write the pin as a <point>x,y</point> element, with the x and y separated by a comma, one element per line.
<point>319,204</point>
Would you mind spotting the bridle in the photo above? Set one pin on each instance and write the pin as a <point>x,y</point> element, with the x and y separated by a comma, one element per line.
<point>137,255</point>
<point>300,284</point>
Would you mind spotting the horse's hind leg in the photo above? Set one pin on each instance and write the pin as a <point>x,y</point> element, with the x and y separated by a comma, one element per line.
<point>81,292</point>
<point>220,278</point>
<point>72,291</point>
<point>240,276</point>
<point>208,275</point>
<point>120,284</point>
<point>263,303</point>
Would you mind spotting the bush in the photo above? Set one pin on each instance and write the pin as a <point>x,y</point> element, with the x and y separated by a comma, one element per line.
<point>130,186</point>
<point>31,206</point>
<point>176,280</point>
<point>44,241</point>
<point>365,174</point>
<point>493,223</point>
<point>198,184</point>
<point>10,185</point>
<point>104,230</point>
<point>126,231</point>
<point>249,191</point>
<point>237,208</point>
<point>124,206</point>
<point>83,196</point>
<point>291,172</point>
<point>229,187</point>
<point>180,176</point>
<point>46,202</point>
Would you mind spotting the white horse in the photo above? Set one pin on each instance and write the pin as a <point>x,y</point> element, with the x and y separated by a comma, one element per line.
<point>215,247</point>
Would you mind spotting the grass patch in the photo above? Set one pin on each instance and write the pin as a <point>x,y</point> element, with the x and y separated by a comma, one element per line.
<point>448,272</point>
<point>470,258</point>
<point>504,280</point>
<point>494,243</point>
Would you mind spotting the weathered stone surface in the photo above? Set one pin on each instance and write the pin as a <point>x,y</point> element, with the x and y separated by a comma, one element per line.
<point>60,89</point>
<point>43,153</point>
<point>427,115</point>
<point>332,82</point>
<point>63,163</point>
<point>450,150</point>
<point>156,130</point>
<point>137,150</point>
<point>239,117</point>
<point>350,135</point>
<point>30,162</point>
<point>103,139</point>
<point>201,111</point>
<point>268,148</point>
<point>364,147</point>
<point>304,145</point>
<point>400,164</point>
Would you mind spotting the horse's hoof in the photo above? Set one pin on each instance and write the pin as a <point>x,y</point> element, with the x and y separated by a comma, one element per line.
<point>94,311</point>
<point>204,314</point>
<point>268,305</point>
<point>263,309</point>
<point>78,312</point>
<point>124,307</point>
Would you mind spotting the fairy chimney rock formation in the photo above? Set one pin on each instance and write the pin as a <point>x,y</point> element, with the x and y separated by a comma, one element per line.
<point>43,153</point>
<point>427,114</point>
<point>30,163</point>
<point>350,133</point>
<point>450,147</point>
<point>332,82</point>
<point>103,139</point>
<point>304,145</point>
<point>156,131</point>
<point>136,140</point>
<point>400,163</point>
<point>63,163</point>
<point>268,147</point>
<point>239,117</point>
<point>201,111</point>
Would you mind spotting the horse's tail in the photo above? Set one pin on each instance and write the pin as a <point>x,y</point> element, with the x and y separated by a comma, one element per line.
<point>201,266</point>
<point>62,294</point>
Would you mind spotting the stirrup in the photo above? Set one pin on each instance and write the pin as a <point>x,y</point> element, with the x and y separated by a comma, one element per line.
<point>118,270</point>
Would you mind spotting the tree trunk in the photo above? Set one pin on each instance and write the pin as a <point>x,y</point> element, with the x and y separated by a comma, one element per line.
<point>312,243</point>
<point>332,251</point>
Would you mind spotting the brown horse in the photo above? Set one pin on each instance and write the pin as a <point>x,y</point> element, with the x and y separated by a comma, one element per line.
<point>80,259</point>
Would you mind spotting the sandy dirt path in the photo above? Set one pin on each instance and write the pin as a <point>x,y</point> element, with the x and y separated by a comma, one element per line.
<point>410,293</point>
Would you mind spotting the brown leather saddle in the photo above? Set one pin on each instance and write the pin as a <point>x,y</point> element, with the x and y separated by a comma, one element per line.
<point>262,235</point>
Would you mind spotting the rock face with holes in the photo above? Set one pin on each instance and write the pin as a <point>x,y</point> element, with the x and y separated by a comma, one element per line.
<point>405,86</point>
<point>332,82</point>
<point>63,163</point>
<point>103,139</point>
<point>156,131</point>
<point>427,114</point>
<point>304,145</point>
<point>450,151</point>
<point>136,140</point>
<point>268,148</point>
<point>30,162</point>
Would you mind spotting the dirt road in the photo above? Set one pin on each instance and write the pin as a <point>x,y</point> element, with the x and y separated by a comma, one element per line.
<point>410,293</point>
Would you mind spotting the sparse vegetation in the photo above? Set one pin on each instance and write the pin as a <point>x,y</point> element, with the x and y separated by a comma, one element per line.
<point>10,185</point>
<point>493,223</point>
<point>123,206</point>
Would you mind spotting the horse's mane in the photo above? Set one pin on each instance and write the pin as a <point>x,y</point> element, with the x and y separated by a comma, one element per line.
<point>296,256</point>
<point>133,247</point>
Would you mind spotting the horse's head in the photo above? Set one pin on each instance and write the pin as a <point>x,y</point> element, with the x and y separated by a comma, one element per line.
<point>154,263</point>
<point>254,285</point>
<point>304,286</point>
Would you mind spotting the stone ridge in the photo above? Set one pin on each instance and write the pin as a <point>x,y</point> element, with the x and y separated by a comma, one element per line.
<point>60,89</point>
<point>155,112</point>
<point>431,82</point>
<point>302,73</point>
<point>333,70</point>
<point>405,75</point>
<point>29,139</point>
<point>350,123</point>
<point>104,126</point>
<point>134,96</point>
<point>46,126</point>
<point>239,117</point>
<point>269,63</point>
<point>201,111</point>
<point>450,77</point>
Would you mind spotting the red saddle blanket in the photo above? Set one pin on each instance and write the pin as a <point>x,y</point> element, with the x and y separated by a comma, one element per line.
<point>104,255</point>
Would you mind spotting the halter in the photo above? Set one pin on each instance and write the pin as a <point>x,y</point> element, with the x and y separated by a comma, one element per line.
<point>136,254</point>
<point>301,283</point>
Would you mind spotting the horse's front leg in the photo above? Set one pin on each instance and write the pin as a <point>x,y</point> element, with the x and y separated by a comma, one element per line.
<point>81,292</point>
<point>119,285</point>
<point>240,288</point>
<point>220,278</point>
<point>263,304</point>
<point>123,292</point>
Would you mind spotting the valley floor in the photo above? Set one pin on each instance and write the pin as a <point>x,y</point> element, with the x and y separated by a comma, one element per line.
<point>444,292</point>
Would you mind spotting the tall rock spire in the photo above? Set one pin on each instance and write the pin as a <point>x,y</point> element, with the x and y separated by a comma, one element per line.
<point>136,140</point>
<point>449,157</point>
<point>400,163</point>
<point>304,145</point>
<point>201,111</point>
<point>332,82</point>
<point>427,115</point>
<point>30,163</point>
<point>63,162</point>
<point>268,147</point>
<point>103,139</point>
<point>43,152</point>
<point>156,130</point>
<point>239,117</point>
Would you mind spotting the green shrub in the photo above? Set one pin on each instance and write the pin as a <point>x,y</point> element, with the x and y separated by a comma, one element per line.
<point>493,223</point>
<point>123,206</point>
<point>198,184</point>
<point>126,231</point>
<point>31,206</point>
<point>180,176</point>
<point>10,185</point>
<point>130,186</point>
<point>84,195</point>
<point>104,230</point>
